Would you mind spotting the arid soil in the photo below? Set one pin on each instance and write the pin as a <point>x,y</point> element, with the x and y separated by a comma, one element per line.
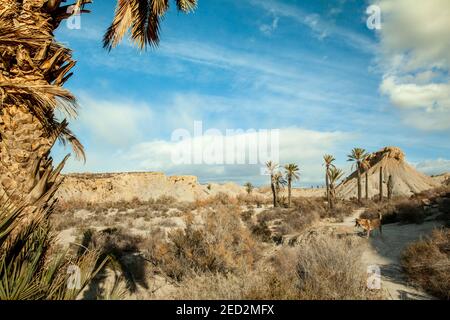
<point>384,250</point>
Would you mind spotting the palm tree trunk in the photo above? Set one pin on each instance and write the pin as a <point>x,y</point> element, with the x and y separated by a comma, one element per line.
<point>332,196</point>
<point>359,183</point>
<point>274,193</point>
<point>33,67</point>
<point>289,192</point>
<point>381,184</point>
<point>367,185</point>
<point>327,182</point>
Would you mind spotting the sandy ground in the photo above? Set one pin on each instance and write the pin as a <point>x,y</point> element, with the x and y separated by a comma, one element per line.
<point>385,251</point>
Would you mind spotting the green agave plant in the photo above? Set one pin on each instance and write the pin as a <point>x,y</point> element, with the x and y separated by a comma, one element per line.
<point>28,268</point>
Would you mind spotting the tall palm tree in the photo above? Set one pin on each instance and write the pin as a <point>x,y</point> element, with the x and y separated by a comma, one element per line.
<point>357,156</point>
<point>365,165</point>
<point>292,174</point>
<point>34,68</point>
<point>271,168</point>
<point>328,162</point>
<point>280,182</point>
<point>335,175</point>
<point>249,187</point>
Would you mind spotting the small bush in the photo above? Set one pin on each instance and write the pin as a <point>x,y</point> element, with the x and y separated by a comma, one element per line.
<point>221,244</point>
<point>287,221</point>
<point>322,269</point>
<point>399,210</point>
<point>427,263</point>
<point>261,232</point>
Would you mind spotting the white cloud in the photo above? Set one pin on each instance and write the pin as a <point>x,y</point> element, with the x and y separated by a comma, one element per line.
<point>436,166</point>
<point>116,123</point>
<point>416,60</point>
<point>297,145</point>
<point>428,96</point>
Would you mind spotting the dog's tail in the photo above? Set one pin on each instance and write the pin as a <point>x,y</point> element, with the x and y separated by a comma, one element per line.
<point>379,215</point>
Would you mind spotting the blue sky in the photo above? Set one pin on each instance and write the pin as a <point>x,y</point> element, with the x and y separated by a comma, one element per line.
<point>311,69</point>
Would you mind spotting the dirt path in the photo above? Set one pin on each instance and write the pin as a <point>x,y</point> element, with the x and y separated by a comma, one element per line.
<point>385,250</point>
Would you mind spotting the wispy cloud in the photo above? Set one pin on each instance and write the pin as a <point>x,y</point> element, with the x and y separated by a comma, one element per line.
<point>268,29</point>
<point>436,166</point>
<point>321,28</point>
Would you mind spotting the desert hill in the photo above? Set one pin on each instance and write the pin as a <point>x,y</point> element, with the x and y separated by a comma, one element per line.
<point>126,186</point>
<point>442,178</point>
<point>391,160</point>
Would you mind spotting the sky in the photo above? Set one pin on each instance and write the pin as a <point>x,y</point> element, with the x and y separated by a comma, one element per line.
<point>311,69</point>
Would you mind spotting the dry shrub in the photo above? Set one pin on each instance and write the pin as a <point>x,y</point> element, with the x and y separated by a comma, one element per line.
<point>308,205</point>
<point>261,283</point>
<point>410,211</point>
<point>124,251</point>
<point>220,244</point>
<point>427,263</point>
<point>290,221</point>
<point>322,269</point>
<point>404,210</point>
<point>330,268</point>
<point>261,231</point>
<point>246,216</point>
<point>220,199</point>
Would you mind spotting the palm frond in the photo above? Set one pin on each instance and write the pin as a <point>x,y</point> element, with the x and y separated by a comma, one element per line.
<point>328,159</point>
<point>186,5</point>
<point>65,135</point>
<point>292,171</point>
<point>142,17</point>
<point>335,174</point>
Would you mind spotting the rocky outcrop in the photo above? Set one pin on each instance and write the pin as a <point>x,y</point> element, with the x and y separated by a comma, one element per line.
<point>391,160</point>
<point>126,186</point>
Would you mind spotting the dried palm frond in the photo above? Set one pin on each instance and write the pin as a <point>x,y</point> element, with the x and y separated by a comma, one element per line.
<point>142,17</point>
<point>186,5</point>
<point>41,100</point>
<point>65,135</point>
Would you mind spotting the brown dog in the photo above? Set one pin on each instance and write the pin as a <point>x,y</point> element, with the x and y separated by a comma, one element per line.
<point>369,224</point>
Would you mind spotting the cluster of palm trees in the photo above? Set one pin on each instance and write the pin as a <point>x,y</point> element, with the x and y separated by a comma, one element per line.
<point>290,173</point>
<point>279,179</point>
<point>332,176</point>
<point>361,160</point>
<point>361,164</point>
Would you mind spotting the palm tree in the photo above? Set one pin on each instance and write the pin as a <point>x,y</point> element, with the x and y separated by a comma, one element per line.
<point>328,162</point>
<point>271,168</point>
<point>365,165</point>
<point>34,68</point>
<point>279,183</point>
<point>248,187</point>
<point>291,175</point>
<point>357,156</point>
<point>335,175</point>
